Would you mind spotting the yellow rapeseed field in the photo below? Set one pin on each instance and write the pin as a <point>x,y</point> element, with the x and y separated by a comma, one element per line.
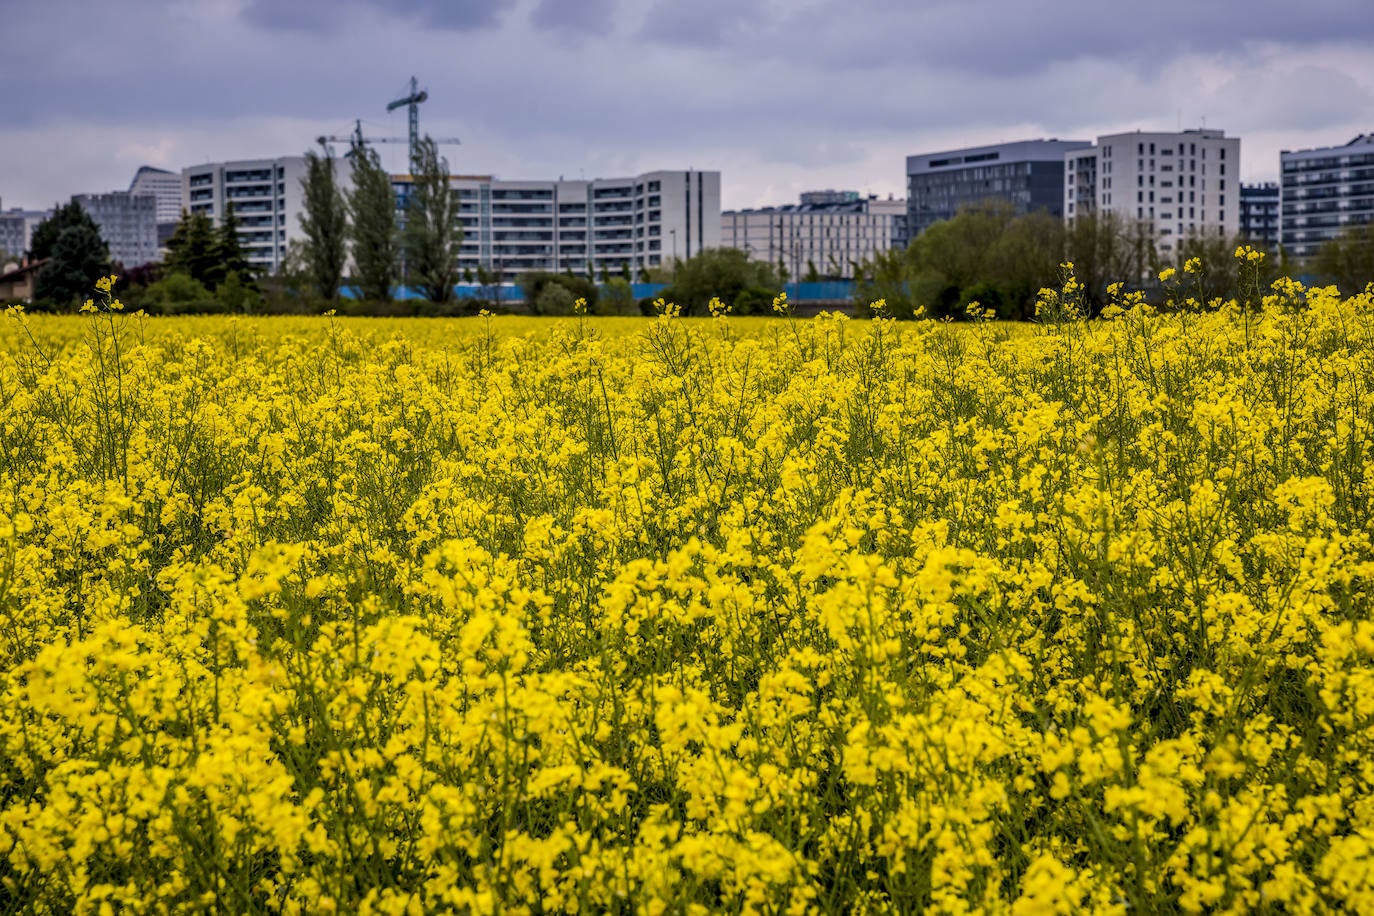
<point>496,615</point>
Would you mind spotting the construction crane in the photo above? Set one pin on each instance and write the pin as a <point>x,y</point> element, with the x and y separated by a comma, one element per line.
<point>357,136</point>
<point>412,103</point>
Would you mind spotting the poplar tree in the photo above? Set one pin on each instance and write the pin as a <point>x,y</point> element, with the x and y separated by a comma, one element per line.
<point>324,225</point>
<point>432,234</point>
<point>372,230</point>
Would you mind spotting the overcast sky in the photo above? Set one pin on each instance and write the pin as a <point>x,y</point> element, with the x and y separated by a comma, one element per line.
<point>781,96</point>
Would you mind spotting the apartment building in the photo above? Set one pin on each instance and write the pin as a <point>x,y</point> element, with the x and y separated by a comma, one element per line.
<point>1172,185</point>
<point>16,231</point>
<point>596,225</point>
<point>267,199</point>
<point>127,223</point>
<point>165,187</point>
<point>1029,174</point>
<point>1325,191</point>
<point>830,230</point>
<point>1259,215</point>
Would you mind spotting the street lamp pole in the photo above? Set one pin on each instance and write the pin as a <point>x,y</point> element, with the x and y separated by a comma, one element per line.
<point>673,233</point>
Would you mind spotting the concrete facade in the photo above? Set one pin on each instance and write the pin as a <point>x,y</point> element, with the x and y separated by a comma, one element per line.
<point>603,224</point>
<point>1173,185</point>
<point>16,231</point>
<point>1325,191</point>
<point>267,199</point>
<point>832,236</point>
<point>1028,174</point>
<point>1259,215</point>
<point>127,223</point>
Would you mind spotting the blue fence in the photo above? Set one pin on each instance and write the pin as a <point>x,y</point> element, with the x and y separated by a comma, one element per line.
<point>824,291</point>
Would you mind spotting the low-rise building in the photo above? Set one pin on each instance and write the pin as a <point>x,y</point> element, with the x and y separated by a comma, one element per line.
<point>829,231</point>
<point>1324,192</point>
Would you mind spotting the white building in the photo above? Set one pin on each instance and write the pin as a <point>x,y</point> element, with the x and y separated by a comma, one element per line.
<point>164,186</point>
<point>16,231</point>
<point>829,230</point>
<point>610,224</point>
<point>127,223</point>
<point>267,199</point>
<point>1175,185</point>
<point>1325,191</point>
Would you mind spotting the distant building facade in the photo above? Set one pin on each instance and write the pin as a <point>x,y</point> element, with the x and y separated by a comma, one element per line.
<point>831,236</point>
<point>1172,185</point>
<point>1028,174</point>
<point>1259,215</point>
<point>600,225</point>
<point>267,199</point>
<point>165,187</point>
<point>16,231</point>
<point>1324,192</point>
<point>127,223</point>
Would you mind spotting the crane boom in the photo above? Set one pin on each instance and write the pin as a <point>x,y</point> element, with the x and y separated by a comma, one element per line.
<point>412,103</point>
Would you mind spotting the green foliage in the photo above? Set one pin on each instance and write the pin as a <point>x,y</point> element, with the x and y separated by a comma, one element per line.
<point>372,226</point>
<point>717,272</point>
<point>324,223</point>
<point>193,250</point>
<point>229,258</point>
<point>617,298</point>
<point>176,292</point>
<point>553,299</point>
<point>432,233</point>
<point>1348,260</point>
<point>812,274</point>
<point>535,282</point>
<point>236,295</point>
<point>77,255</point>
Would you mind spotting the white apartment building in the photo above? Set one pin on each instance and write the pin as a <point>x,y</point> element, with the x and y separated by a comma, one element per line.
<point>127,223</point>
<point>164,186</point>
<point>267,199</point>
<point>610,224</point>
<point>1173,185</point>
<point>829,230</point>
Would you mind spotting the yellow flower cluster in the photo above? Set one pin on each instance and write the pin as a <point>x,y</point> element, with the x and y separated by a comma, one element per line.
<point>682,616</point>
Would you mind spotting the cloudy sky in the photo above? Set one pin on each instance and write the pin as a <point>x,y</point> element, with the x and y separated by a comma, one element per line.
<point>780,95</point>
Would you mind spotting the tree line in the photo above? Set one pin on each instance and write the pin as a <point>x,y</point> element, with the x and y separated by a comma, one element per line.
<point>991,255</point>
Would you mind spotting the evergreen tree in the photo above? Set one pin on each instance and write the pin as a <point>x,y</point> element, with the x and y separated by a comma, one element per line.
<point>228,251</point>
<point>324,224</point>
<point>192,250</point>
<point>372,211</point>
<point>432,233</point>
<point>77,255</point>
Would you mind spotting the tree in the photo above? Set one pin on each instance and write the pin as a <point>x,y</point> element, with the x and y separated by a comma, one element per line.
<point>432,233</point>
<point>1348,259</point>
<point>324,223</point>
<point>717,272</point>
<point>372,230</point>
<point>534,283</point>
<point>812,275</point>
<point>228,252</point>
<point>192,250</point>
<point>77,256</point>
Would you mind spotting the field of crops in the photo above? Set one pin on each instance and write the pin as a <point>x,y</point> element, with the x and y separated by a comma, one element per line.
<point>682,616</point>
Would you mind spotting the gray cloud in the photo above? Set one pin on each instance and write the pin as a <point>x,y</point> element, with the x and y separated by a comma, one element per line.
<point>775,93</point>
<point>581,16</point>
<point>324,15</point>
